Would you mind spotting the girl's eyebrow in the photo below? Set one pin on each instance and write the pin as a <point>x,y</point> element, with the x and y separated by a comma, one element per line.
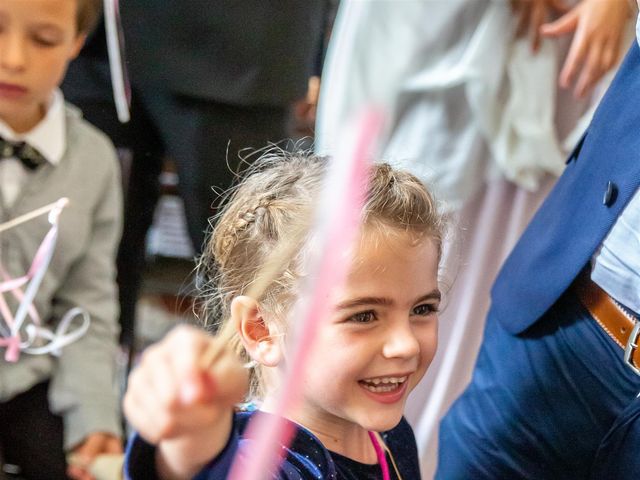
<point>361,301</point>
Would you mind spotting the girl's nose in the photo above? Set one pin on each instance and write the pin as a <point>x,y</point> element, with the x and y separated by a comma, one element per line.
<point>401,341</point>
<point>13,55</point>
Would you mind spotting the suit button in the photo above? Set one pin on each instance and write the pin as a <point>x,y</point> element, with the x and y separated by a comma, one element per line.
<point>610,194</point>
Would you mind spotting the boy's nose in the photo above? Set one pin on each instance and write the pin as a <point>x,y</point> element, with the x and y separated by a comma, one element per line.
<point>13,53</point>
<point>401,342</point>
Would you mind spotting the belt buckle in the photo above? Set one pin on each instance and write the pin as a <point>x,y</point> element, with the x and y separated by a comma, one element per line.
<point>632,345</point>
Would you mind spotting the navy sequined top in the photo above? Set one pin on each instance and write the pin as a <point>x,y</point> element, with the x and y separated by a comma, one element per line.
<point>306,457</point>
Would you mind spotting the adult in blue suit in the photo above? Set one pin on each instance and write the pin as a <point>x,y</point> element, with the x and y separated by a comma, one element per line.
<point>552,395</point>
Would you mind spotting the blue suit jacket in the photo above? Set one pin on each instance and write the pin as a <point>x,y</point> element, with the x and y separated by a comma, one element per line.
<point>601,176</point>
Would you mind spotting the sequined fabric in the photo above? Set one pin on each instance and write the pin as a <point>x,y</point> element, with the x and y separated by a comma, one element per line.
<point>305,459</point>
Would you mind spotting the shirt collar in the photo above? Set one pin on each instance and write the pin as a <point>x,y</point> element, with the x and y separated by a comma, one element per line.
<point>49,135</point>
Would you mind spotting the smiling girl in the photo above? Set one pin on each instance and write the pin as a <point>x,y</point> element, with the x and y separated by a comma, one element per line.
<point>369,354</point>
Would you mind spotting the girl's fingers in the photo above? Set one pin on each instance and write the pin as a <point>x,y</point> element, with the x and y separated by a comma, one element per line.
<point>197,388</point>
<point>186,346</point>
<point>164,378</point>
<point>157,424</point>
<point>139,406</point>
<point>170,394</point>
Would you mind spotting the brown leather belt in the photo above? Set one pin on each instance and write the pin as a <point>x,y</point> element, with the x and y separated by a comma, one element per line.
<point>621,326</point>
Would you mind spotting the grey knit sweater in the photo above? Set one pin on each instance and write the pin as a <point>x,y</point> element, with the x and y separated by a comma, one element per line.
<point>81,273</point>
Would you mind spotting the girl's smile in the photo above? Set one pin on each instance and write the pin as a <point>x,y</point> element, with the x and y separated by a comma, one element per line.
<point>387,389</point>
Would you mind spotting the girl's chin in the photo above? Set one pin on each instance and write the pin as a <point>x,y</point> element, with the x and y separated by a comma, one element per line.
<point>382,422</point>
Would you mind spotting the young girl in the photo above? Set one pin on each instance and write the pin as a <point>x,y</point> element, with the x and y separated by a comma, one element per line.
<point>369,355</point>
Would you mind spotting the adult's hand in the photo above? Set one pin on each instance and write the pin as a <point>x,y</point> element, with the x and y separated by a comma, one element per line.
<point>598,32</point>
<point>532,14</point>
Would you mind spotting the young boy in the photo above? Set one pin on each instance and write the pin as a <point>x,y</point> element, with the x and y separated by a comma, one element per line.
<point>52,406</point>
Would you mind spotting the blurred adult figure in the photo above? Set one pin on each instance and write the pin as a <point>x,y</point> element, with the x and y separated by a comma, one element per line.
<point>208,78</point>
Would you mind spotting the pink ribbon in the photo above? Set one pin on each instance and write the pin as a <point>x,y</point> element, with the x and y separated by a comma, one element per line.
<point>382,457</point>
<point>12,343</point>
<point>11,337</point>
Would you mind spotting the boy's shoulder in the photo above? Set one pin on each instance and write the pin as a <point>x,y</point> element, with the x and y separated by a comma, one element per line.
<point>87,142</point>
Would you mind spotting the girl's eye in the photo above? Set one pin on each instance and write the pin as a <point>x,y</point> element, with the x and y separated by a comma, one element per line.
<point>363,317</point>
<point>425,309</point>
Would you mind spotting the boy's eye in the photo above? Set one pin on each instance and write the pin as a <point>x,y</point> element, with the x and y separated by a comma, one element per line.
<point>45,41</point>
<point>46,36</point>
<point>363,317</point>
<point>425,309</point>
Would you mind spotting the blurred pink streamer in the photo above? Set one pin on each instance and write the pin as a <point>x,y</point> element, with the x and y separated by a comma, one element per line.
<point>337,223</point>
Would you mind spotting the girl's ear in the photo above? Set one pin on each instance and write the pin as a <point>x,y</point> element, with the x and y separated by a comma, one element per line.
<point>254,332</point>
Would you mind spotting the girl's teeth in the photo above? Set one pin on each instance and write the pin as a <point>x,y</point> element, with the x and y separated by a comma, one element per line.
<point>385,388</point>
<point>386,384</point>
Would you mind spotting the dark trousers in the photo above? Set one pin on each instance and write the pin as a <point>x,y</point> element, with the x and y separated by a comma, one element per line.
<point>31,437</point>
<point>617,457</point>
<point>203,138</point>
<point>539,404</point>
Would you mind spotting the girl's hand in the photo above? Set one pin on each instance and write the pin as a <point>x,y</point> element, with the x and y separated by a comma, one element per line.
<point>598,27</point>
<point>532,14</point>
<point>184,406</point>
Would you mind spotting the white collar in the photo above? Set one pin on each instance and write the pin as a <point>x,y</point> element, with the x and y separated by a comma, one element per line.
<point>49,136</point>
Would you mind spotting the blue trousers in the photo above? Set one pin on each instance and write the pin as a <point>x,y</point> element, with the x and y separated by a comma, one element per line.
<point>617,457</point>
<point>541,403</point>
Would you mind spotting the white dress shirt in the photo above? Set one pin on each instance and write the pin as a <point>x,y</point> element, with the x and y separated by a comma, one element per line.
<point>48,137</point>
<point>616,264</point>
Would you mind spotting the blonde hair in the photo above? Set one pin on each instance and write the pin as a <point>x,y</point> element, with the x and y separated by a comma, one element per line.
<point>88,14</point>
<point>274,199</point>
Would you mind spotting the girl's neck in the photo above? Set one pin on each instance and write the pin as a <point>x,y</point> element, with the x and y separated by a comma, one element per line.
<point>336,434</point>
<point>353,443</point>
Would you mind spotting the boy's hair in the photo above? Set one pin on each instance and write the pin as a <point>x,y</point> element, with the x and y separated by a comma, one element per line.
<point>88,14</point>
<point>275,198</point>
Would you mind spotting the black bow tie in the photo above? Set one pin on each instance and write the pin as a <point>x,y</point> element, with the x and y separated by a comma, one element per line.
<point>29,156</point>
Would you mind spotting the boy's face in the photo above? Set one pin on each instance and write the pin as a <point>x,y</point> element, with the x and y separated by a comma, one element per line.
<point>38,38</point>
<point>379,340</point>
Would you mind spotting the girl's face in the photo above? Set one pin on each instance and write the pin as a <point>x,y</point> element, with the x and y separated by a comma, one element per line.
<point>378,342</point>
